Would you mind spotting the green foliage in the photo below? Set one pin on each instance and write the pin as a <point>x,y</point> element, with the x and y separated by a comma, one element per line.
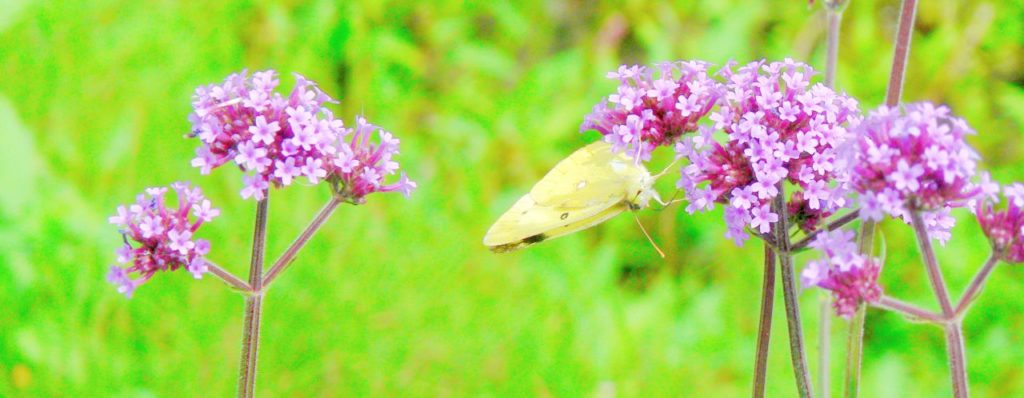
<point>398,297</point>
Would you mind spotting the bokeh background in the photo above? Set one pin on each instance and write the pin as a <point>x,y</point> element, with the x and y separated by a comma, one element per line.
<point>398,297</point>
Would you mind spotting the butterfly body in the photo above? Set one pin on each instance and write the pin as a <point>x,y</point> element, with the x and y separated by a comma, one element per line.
<point>591,186</point>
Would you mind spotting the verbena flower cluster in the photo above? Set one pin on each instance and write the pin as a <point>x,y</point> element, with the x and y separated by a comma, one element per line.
<point>277,140</point>
<point>1004,227</point>
<point>851,277</point>
<point>160,237</point>
<point>778,127</point>
<point>651,110</point>
<point>915,157</point>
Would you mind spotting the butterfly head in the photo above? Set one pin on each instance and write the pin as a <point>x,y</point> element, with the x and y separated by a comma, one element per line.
<point>644,192</point>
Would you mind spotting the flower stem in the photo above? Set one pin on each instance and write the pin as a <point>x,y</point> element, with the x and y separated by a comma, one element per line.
<point>954,333</point>
<point>824,344</point>
<point>976,285</point>
<point>228,277</point>
<point>286,259</point>
<point>764,328</point>
<point>835,18</point>
<point>832,226</point>
<point>957,360</point>
<point>796,334</point>
<point>854,352</point>
<point>909,310</point>
<point>924,244</point>
<point>904,32</point>
<point>253,305</point>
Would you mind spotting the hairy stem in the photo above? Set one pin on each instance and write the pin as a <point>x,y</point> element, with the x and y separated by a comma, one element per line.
<point>253,306</point>
<point>824,344</point>
<point>957,360</point>
<point>789,293</point>
<point>904,32</point>
<point>894,92</point>
<point>227,277</point>
<point>909,310</point>
<point>832,226</point>
<point>764,328</point>
<point>286,259</point>
<point>954,333</point>
<point>854,352</point>
<point>924,244</point>
<point>976,285</point>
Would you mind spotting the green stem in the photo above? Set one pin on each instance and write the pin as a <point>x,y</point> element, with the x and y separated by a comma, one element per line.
<point>854,352</point>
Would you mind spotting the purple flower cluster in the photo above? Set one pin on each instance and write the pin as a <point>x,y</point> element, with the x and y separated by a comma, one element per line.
<point>914,157</point>
<point>277,140</point>
<point>778,127</point>
<point>851,277</point>
<point>163,236</point>
<point>1003,227</point>
<point>648,111</point>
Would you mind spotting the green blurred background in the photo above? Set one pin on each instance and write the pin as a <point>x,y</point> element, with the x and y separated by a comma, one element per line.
<point>398,297</point>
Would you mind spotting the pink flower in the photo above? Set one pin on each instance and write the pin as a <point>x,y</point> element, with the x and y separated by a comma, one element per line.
<point>159,237</point>
<point>1004,227</point>
<point>851,277</point>
<point>274,139</point>
<point>648,111</point>
<point>779,128</point>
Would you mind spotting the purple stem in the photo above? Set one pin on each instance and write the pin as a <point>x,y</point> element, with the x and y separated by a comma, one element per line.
<point>796,335</point>
<point>976,285</point>
<point>957,360</point>
<point>227,277</point>
<point>904,32</point>
<point>954,335</point>
<point>910,310</point>
<point>832,226</point>
<point>764,328</point>
<point>286,259</point>
<point>253,305</point>
<point>924,244</point>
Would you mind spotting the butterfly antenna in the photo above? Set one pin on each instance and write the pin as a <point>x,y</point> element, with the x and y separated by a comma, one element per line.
<point>667,168</point>
<point>637,218</point>
<point>670,202</point>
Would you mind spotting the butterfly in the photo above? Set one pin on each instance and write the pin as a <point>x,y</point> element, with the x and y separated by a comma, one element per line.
<point>587,188</point>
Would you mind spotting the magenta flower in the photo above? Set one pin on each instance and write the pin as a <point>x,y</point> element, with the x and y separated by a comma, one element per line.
<point>158,237</point>
<point>648,111</point>
<point>851,277</point>
<point>914,157</point>
<point>362,165</point>
<point>777,127</point>
<point>1004,227</point>
<point>276,139</point>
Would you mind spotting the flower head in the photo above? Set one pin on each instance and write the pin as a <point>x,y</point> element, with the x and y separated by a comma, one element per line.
<point>650,110</point>
<point>161,237</point>
<point>1004,227</point>
<point>914,158</point>
<point>278,140</point>
<point>777,127</point>
<point>851,277</point>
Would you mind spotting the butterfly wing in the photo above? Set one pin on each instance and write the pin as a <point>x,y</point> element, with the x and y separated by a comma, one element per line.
<point>590,186</point>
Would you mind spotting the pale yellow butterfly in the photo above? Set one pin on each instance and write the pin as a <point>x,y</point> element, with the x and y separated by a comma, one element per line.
<point>589,187</point>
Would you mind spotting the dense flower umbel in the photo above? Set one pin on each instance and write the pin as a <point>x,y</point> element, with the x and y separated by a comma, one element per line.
<point>278,140</point>
<point>648,111</point>
<point>851,277</point>
<point>158,237</point>
<point>1003,227</point>
<point>914,157</point>
<point>779,127</point>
